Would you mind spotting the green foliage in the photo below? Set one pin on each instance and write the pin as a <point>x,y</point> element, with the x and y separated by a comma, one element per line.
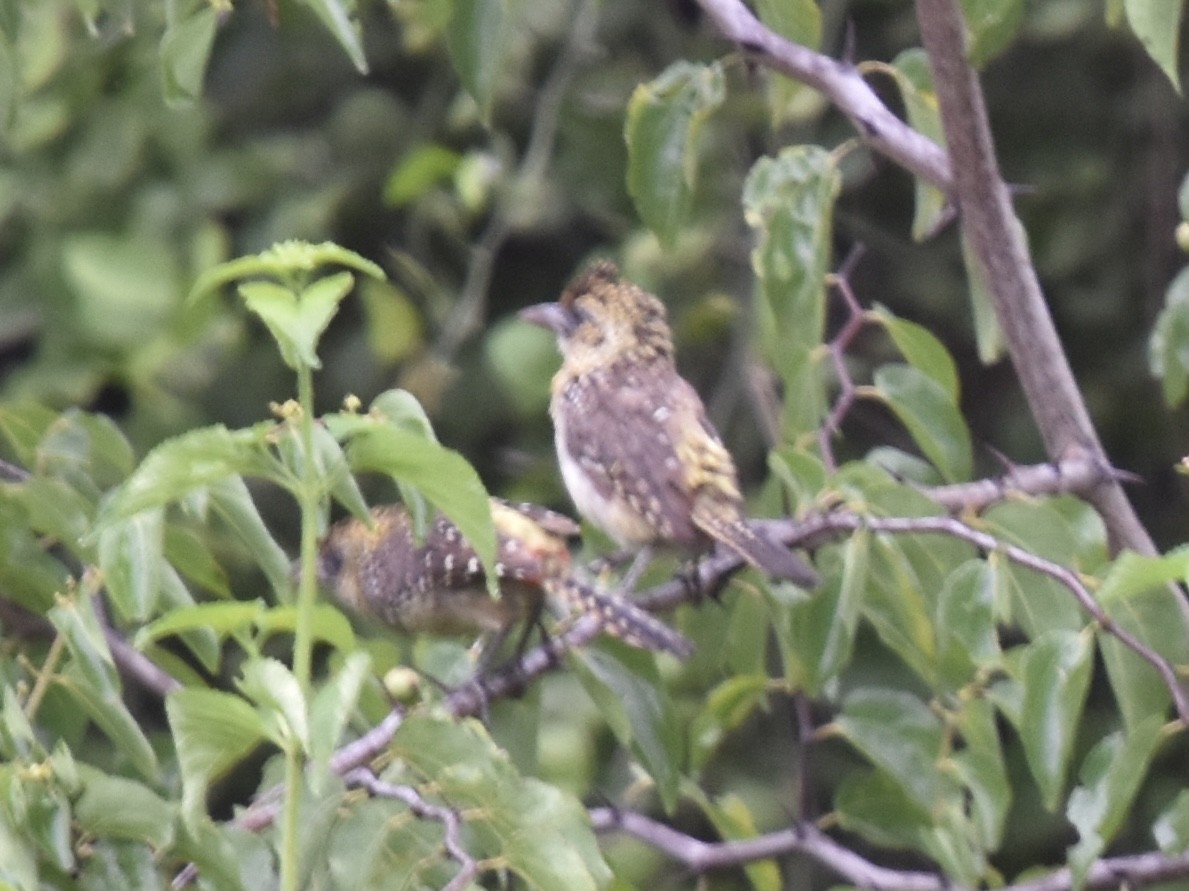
<point>957,693</point>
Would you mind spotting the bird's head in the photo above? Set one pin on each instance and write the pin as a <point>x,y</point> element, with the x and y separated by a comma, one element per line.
<point>600,318</point>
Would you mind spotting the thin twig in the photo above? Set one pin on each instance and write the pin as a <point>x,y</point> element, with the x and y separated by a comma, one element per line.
<point>1135,870</point>
<point>468,867</point>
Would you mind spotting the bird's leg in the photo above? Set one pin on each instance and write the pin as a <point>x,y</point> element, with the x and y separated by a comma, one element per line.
<point>627,584</point>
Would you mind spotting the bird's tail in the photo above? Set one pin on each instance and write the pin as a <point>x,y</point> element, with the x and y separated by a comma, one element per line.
<point>621,618</point>
<point>771,558</point>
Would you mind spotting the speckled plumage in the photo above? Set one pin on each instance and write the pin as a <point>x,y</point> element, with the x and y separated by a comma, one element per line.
<point>638,454</point>
<point>437,585</point>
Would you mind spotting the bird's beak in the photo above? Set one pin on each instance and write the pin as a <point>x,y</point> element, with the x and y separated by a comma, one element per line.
<point>549,315</point>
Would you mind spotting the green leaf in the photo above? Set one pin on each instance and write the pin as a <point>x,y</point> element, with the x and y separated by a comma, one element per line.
<point>1157,24</point>
<point>477,39</point>
<point>901,736</point>
<point>966,637</point>
<point>223,619</point>
<point>1110,778</point>
<point>931,416</point>
<point>664,118</point>
<point>895,604</point>
<point>537,831</point>
<point>281,706</point>
<point>187,463</point>
<point>337,18</point>
<point>915,80</point>
<point>79,626</point>
<point>988,334</point>
<point>131,554</point>
<point>107,710</point>
<point>875,806</point>
<point>126,286</point>
<point>330,625</point>
<point>727,706</point>
<point>734,821</point>
<point>991,25</point>
<point>632,700</point>
<point>185,50</point>
<point>1139,597</point>
<point>442,475</point>
<point>114,807</point>
<point>921,350</point>
<point>1168,352</point>
<point>297,320</point>
<point>817,635</point>
<point>419,171</point>
<point>213,731</point>
<point>286,261</point>
<point>332,708</point>
<point>1055,672</point>
<point>1171,829</point>
<point>232,501</point>
<point>788,201</point>
<point>980,767</point>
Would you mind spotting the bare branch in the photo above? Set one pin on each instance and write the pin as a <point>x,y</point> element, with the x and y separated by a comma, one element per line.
<point>1078,474</point>
<point>1135,871</point>
<point>997,240</point>
<point>448,817</point>
<point>838,82</point>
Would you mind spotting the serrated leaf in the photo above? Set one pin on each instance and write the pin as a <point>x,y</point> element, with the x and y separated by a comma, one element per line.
<point>442,475</point>
<point>921,350</point>
<point>76,621</point>
<point>1109,780</point>
<point>632,700</point>
<point>109,713</point>
<point>931,416</point>
<point>874,805</point>
<point>131,555</point>
<point>901,736</point>
<point>915,80</point>
<point>664,118</point>
<point>280,703</point>
<point>223,619</point>
<point>477,40</point>
<point>185,50</point>
<point>186,463</point>
<point>788,201</point>
<point>232,501</point>
<point>296,320</point>
<point>536,830</point>
<point>213,731</point>
<point>896,607</point>
<point>1157,24</point>
<point>115,807</point>
<point>331,709</point>
<point>1055,672</point>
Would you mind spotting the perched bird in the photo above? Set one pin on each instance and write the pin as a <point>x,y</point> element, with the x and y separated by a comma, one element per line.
<point>637,452</point>
<point>437,585</point>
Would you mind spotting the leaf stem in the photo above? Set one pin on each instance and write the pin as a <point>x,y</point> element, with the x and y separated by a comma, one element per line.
<point>303,643</point>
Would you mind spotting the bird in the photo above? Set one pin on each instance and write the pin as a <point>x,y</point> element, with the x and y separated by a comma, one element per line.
<point>436,584</point>
<point>636,449</point>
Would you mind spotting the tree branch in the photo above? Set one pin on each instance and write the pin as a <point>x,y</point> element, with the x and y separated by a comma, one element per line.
<point>1136,870</point>
<point>838,82</point>
<point>997,239</point>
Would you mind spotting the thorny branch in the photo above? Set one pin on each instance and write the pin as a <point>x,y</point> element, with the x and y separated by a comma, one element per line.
<point>809,841</point>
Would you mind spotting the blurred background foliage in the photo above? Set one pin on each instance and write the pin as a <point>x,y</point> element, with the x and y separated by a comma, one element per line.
<point>116,190</point>
<point>127,167</point>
